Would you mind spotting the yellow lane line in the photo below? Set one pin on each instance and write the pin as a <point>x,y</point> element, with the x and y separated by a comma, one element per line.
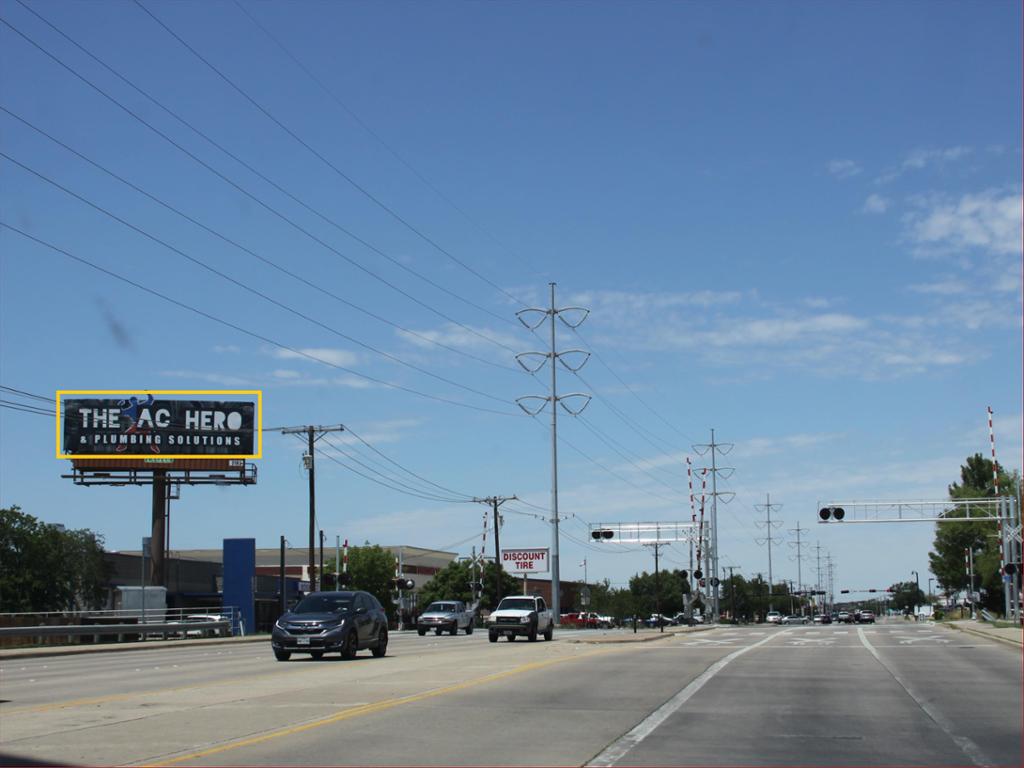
<point>379,706</point>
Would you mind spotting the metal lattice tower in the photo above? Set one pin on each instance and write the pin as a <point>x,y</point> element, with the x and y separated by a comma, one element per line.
<point>554,399</point>
<point>768,524</point>
<point>714,449</point>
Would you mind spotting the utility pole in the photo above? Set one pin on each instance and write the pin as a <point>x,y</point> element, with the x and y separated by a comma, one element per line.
<point>716,448</point>
<point>817,587</point>
<point>732,591</point>
<point>313,434</point>
<point>799,558</point>
<point>657,583</point>
<point>495,502</point>
<point>284,599</point>
<point>767,508</point>
<point>554,399</point>
<point>322,559</point>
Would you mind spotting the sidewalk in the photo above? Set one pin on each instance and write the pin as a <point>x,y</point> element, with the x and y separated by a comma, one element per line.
<point>1013,636</point>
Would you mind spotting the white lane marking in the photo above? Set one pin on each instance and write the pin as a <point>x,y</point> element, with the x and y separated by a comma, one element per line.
<point>621,746</point>
<point>968,747</point>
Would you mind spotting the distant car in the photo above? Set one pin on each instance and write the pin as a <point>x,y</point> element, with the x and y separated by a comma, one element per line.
<point>656,619</point>
<point>445,616</point>
<point>794,619</point>
<point>844,617</point>
<point>322,622</point>
<point>773,617</point>
<point>865,617</point>
<point>822,618</point>
<point>194,618</point>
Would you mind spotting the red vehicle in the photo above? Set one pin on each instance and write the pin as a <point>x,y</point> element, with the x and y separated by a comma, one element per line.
<point>580,620</point>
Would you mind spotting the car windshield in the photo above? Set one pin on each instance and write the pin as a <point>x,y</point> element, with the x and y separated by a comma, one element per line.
<point>516,604</point>
<point>324,604</point>
<point>440,607</point>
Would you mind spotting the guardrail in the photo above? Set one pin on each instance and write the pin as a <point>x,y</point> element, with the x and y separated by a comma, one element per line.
<point>183,628</point>
<point>119,625</point>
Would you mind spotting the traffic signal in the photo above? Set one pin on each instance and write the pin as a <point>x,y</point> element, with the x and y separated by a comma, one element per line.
<point>1011,568</point>
<point>714,581</point>
<point>602,533</point>
<point>844,591</point>
<point>401,583</point>
<point>872,590</point>
<point>832,513</point>
<point>683,574</point>
<point>476,585</point>
<point>703,582</point>
<point>698,574</point>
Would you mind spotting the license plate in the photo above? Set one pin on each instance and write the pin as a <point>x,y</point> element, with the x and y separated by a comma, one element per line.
<point>302,641</point>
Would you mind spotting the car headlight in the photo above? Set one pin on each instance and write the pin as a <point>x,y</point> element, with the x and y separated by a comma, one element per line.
<point>529,618</point>
<point>279,625</point>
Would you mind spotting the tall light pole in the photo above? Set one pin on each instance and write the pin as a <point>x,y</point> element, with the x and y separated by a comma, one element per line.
<point>552,312</point>
<point>917,582</point>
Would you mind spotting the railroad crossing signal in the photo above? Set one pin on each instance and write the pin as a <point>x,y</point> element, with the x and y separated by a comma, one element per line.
<point>402,583</point>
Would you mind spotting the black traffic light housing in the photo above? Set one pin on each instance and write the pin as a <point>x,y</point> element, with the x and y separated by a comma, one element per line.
<point>402,584</point>
<point>602,533</point>
<point>832,513</point>
<point>699,574</point>
<point>1011,568</point>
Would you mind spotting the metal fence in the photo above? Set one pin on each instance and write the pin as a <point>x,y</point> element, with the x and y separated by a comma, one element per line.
<point>124,625</point>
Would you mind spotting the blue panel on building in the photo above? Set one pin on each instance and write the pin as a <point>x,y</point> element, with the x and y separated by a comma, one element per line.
<point>239,575</point>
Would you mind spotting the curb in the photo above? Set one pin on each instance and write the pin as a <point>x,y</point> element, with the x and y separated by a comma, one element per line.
<point>998,638</point>
<point>14,654</point>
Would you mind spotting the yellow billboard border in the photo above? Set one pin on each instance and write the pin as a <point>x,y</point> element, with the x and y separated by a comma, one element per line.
<point>259,422</point>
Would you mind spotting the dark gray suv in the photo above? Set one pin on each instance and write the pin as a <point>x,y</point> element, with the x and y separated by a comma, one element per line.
<point>323,622</point>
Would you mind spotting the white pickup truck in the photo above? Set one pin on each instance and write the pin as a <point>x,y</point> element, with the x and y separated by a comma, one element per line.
<point>521,616</point>
<point>445,615</point>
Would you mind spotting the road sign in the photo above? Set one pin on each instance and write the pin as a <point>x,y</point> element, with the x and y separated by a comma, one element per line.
<point>522,561</point>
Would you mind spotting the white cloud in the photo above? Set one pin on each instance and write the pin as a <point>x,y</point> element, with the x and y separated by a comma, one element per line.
<point>227,349</point>
<point>920,158</point>
<point>876,204</point>
<point>989,221</point>
<point>341,357</point>
<point>764,446</point>
<point>285,374</point>
<point>843,169</point>
<point>220,379</point>
<point>948,287</point>
<point>772,331</point>
<point>460,337</point>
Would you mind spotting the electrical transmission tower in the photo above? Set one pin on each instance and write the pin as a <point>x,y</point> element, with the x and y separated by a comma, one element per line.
<point>768,524</point>
<point>554,399</point>
<point>799,557</point>
<point>714,449</point>
<point>494,502</point>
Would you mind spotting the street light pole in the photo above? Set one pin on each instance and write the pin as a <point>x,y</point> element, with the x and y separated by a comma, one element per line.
<point>917,582</point>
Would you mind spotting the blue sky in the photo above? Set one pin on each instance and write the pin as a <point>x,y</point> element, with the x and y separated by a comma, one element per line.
<point>796,223</point>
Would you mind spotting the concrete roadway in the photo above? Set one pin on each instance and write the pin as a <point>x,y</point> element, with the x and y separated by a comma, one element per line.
<point>835,695</point>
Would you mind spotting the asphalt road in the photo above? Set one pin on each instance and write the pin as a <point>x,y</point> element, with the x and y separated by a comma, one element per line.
<point>890,694</point>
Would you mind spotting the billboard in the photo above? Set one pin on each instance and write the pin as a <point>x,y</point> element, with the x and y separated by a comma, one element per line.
<point>525,560</point>
<point>151,425</point>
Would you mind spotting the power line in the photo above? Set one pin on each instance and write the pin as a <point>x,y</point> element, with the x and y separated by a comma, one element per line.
<point>362,190</point>
<point>246,287</point>
<point>251,196</point>
<point>248,332</point>
<point>27,394</point>
<point>269,262</point>
<point>394,153</point>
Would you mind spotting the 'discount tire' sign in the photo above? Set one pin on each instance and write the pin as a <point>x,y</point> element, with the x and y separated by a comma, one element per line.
<point>525,560</point>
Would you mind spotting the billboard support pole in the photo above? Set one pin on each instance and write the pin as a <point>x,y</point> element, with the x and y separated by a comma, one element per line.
<point>157,535</point>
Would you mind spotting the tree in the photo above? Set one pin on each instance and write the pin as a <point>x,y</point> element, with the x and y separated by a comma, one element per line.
<point>372,568</point>
<point>46,568</point>
<point>453,583</point>
<point>906,595</point>
<point>954,538</point>
<point>664,589</point>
